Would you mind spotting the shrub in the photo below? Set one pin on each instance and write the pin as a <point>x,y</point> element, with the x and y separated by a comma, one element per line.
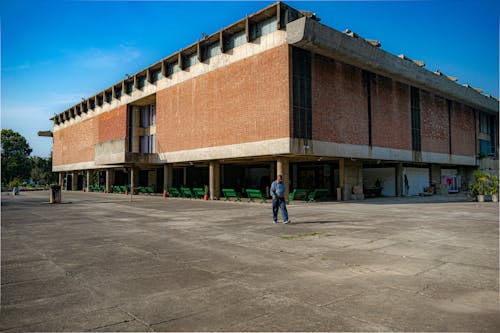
<point>482,182</point>
<point>493,185</point>
<point>15,182</point>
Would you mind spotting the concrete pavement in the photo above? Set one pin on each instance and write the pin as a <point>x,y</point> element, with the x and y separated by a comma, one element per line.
<point>102,263</point>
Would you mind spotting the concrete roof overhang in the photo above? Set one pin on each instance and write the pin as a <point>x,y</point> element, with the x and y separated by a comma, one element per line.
<point>310,35</point>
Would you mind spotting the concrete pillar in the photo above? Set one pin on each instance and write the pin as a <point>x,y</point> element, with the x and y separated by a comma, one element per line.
<point>272,172</point>
<point>134,178</point>
<point>61,179</point>
<point>167,176</point>
<point>184,176</point>
<point>435,175</point>
<point>74,180</point>
<point>341,184</point>
<point>214,179</point>
<point>326,176</point>
<point>222,175</point>
<point>294,176</point>
<point>466,176</point>
<point>399,180</point>
<point>88,180</point>
<point>350,175</point>
<point>283,168</point>
<point>136,129</point>
<point>110,175</point>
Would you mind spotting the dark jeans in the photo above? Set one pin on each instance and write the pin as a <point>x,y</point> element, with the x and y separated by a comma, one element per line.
<point>281,204</point>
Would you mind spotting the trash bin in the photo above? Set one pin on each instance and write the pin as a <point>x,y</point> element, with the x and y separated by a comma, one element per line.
<point>55,194</point>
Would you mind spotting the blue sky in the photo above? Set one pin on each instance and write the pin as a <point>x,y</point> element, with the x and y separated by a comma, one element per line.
<point>56,52</point>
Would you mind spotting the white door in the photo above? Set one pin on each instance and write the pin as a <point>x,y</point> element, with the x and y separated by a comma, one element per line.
<point>415,180</point>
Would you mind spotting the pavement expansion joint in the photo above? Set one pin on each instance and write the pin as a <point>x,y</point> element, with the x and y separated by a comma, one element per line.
<point>134,317</point>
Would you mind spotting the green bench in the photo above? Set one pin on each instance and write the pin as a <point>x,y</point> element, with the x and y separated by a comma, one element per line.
<point>174,192</point>
<point>317,194</point>
<point>186,192</point>
<point>102,188</point>
<point>231,193</point>
<point>198,192</point>
<point>145,189</point>
<point>119,189</point>
<point>298,194</point>
<point>255,194</point>
<point>375,191</point>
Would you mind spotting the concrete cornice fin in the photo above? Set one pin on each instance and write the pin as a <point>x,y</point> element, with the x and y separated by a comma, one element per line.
<point>313,36</point>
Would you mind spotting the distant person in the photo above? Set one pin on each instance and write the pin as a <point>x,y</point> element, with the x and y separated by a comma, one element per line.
<point>277,192</point>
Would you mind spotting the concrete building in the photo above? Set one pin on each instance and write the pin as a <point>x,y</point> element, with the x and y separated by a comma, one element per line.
<point>278,92</point>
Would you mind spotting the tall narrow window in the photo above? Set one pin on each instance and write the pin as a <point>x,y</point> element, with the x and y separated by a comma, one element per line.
<point>487,133</point>
<point>484,123</point>
<point>415,119</point>
<point>148,143</point>
<point>493,134</point>
<point>144,144</point>
<point>148,115</point>
<point>130,128</point>
<point>302,110</point>
<point>152,143</point>
<point>144,114</point>
<point>152,114</point>
<point>367,77</point>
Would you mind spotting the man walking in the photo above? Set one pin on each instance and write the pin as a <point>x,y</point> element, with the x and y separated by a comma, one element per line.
<point>277,192</point>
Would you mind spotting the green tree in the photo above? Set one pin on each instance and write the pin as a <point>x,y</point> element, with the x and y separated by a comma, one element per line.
<point>41,170</point>
<point>15,156</point>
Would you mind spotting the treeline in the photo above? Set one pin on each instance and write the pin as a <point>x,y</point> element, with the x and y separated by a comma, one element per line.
<point>18,167</point>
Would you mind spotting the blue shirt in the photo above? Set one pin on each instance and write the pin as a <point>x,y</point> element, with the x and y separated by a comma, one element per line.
<point>277,189</point>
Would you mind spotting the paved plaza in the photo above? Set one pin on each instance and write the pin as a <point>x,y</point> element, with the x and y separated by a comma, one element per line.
<point>99,262</point>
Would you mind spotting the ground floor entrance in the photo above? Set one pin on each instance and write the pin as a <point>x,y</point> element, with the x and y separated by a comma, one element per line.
<point>336,179</point>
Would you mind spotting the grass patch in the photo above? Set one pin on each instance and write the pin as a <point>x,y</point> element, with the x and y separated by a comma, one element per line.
<point>300,235</point>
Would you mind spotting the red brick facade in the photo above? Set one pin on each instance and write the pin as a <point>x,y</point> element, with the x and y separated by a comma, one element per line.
<point>463,138</point>
<point>75,144</point>
<point>113,124</point>
<point>434,123</point>
<point>339,103</point>
<point>249,101</point>
<point>340,112</point>
<point>243,102</point>
<point>391,116</point>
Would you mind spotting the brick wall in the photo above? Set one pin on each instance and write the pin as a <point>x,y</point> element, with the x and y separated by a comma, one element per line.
<point>391,113</point>
<point>243,102</point>
<point>339,105</point>
<point>113,124</point>
<point>462,130</point>
<point>75,144</point>
<point>434,123</point>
